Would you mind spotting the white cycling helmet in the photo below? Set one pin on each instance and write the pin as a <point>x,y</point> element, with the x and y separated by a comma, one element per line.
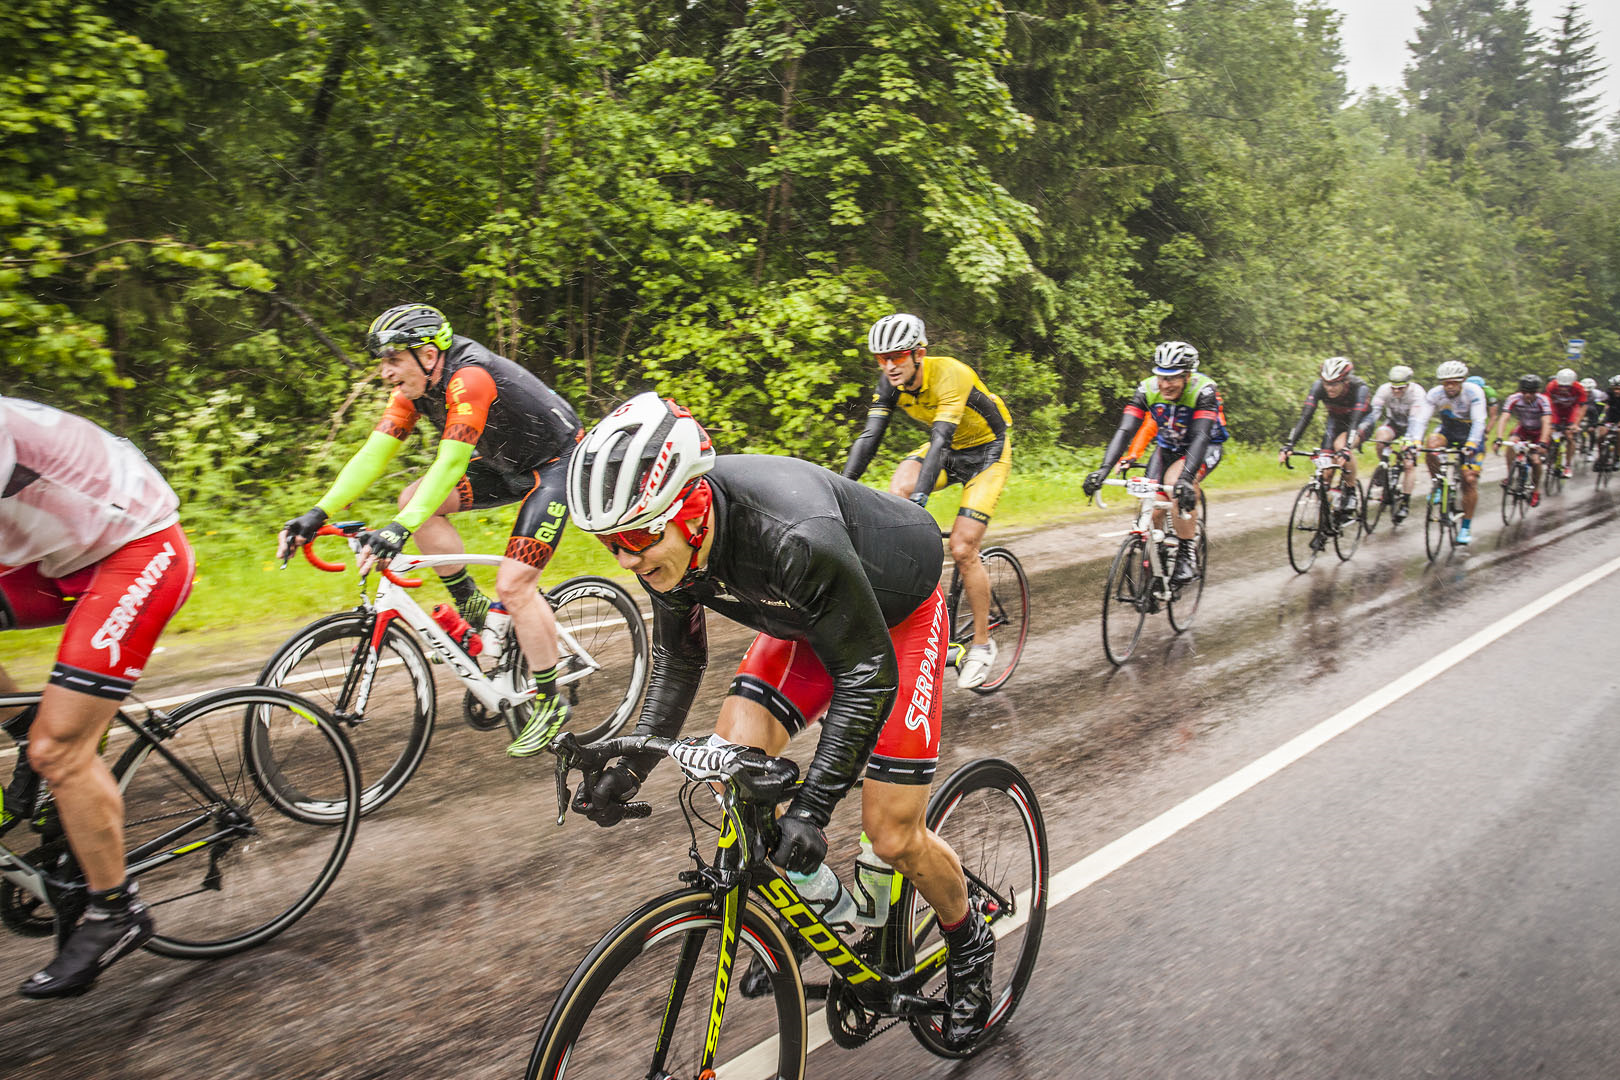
<point>1564,377</point>
<point>1335,368</point>
<point>1400,374</point>
<point>1174,358</point>
<point>630,470</point>
<point>1590,384</point>
<point>896,333</point>
<point>1451,369</point>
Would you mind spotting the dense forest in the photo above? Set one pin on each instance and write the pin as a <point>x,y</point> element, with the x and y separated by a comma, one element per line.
<point>204,203</point>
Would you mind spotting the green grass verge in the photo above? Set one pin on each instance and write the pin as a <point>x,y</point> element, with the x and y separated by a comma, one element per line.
<point>240,596</point>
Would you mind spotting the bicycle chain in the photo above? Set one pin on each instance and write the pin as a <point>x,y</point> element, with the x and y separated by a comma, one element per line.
<point>839,1006</point>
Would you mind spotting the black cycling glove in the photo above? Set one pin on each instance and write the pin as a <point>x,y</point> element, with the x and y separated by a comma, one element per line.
<point>801,846</point>
<point>385,542</point>
<point>604,802</point>
<point>1186,494</point>
<point>301,530</point>
<point>1094,482</point>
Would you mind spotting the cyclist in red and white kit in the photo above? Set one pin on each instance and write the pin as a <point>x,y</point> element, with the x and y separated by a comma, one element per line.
<point>1568,399</point>
<point>90,538</point>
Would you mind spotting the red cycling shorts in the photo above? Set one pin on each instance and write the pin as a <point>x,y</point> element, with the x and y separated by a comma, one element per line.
<point>1565,416</point>
<point>1524,434</point>
<point>790,681</point>
<point>114,610</point>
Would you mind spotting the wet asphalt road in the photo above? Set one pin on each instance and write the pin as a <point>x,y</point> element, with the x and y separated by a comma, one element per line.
<point>1429,894</point>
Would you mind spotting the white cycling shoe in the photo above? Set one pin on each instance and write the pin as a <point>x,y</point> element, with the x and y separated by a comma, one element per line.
<point>976,666</point>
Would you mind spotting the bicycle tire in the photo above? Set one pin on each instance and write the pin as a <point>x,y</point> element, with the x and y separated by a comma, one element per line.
<point>989,815</point>
<point>1183,606</point>
<point>1552,475</point>
<point>1009,615</point>
<point>1125,600</point>
<point>212,895</point>
<point>1373,509</point>
<point>570,1045</point>
<point>604,619</point>
<point>391,737</point>
<point>1304,526</point>
<point>1434,526</point>
<point>1348,538</point>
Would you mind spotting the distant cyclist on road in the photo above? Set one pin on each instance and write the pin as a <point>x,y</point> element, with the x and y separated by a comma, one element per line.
<point>1345,399</point>
<point>968,443</point>
<point>1531,412</point>
<point>1568,399</point>
<point>90,540</point>
<point>1460,407</point>
<point>842,585</point>
<point>1610,428</point>
<point>1186,407</point>
<point>504,437</point>
<point>1406,407</point>
<point>1597,403</point>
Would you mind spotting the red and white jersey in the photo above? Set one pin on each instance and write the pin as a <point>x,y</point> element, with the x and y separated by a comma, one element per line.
<point>71,492</point>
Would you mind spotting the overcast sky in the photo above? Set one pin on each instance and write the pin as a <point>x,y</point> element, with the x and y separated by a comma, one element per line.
<point>1375,33</point>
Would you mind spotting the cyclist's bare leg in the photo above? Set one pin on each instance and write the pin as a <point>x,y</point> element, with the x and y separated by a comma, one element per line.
<point>1470,489</point>
<point>517,587</point>
<point>904,480</point>
<point>436,536</point>
<point>1340,442</point>
<point>62,748</point>
<point>748,723</point>
<point>1435,441</point>
<point>894,817</point>
<point>966,534</point>
<point>8,685</point>
<point>1186,525</point>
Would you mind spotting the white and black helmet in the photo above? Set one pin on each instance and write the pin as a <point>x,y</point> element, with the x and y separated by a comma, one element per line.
<point>1335,368</point>
<point>1590,384</point>
<point>1565,376</point>
<point>630,469</point>
<point>1451,369</point>
<point>896,333</point>
<point>1400,374</point>
<point>1173,358</point>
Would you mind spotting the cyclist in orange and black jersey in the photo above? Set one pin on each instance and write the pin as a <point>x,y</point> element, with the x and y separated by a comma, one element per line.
<point>505,437</point>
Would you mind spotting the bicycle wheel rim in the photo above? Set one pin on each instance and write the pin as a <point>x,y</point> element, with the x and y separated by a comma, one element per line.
<point>1304,523</point>
<point>988,814</point>
<point>1009,615</point>
<point>1124,600</point>
<point>1348,538</point>
<point>603,684</point>
<point>1432,530</point>
<point>223,876</point>
<point>607,1015</point>
<point>391,736</point>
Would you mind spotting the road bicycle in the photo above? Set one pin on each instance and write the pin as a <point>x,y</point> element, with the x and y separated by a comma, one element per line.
<point>1443,515</point>
<point>1318,517</point>
<point>368,665</point>
<point>1384,486</point>
<point>225,858</point>
<point>1552,474</point>
<point>1608,459</point>
<point>650,998</point>
<point>1008,615</point>
<point>1519,487</point>
<point>1138,582</point>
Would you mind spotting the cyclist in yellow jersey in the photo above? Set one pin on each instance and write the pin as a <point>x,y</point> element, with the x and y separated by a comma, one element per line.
<point>968,443</point>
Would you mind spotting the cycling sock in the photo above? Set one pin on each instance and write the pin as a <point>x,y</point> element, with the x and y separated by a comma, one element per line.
<point>545,682</point>
<point>115,899</point>
<point>461,585</point>
<point>956,929</point>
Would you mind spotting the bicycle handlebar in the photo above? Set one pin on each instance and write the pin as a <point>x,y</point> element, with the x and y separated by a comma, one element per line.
<point>336,567</point>
<point>592,759</point>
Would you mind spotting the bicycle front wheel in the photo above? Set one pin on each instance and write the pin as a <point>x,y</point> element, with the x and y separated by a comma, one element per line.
<point>1008,616</point>
<point>989,816</point>
<point>388,709</point>
<point>1184,604</point>
<point>1125,599</point>
<point>638,1004</point>
<point>602,643</point>
<point>1379,495</point>
<point>1305,528</point>
<point>1348,538</point>
<point>224,859</point>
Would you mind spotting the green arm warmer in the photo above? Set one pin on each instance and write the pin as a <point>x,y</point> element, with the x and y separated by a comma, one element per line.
<point>449,466</point>
<point>361,472</point>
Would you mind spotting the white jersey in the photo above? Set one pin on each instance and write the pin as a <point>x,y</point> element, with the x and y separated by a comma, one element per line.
<point>1408,406</point>
<point>71,492</point>
<point>1468,407</point>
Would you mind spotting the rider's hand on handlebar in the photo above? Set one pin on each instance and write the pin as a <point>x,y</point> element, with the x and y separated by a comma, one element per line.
<point>604,802</point>
<point>1186,493</point>
<point>801,846</point>
<point>299,531</point>
<point>1094,482</point>
<point>1282,455</point>
<point>380,545</point>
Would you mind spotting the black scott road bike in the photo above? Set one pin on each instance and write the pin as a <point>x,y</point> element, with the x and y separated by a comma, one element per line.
<point>650,998</point>
<point>1320,514</point>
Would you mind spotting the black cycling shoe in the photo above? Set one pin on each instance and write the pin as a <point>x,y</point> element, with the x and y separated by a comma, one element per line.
<point>100,939</point>
<point>967,983</point>
<point>1186,569</point>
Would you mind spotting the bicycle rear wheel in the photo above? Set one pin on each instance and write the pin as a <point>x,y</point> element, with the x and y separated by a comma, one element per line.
<point>388,710</point>
<point>224,859</point>
<point>1434,524</point>
<point>1008,617</point>
<point>638,1004</point>
<point>1348,538</point>
<point>989,815</point>
<point>1183,604</point>
<point>1125,599</point>
<point>1380,495</point>
<point>603,665</point>
<point>1552,474</point>
<point>1305,528</point>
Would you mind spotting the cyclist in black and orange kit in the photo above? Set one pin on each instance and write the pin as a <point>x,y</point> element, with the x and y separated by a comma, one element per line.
<point>505,437</point>
<point>968,444</point>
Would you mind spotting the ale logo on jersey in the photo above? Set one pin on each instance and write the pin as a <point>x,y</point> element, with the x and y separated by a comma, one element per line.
<point>122,617</point>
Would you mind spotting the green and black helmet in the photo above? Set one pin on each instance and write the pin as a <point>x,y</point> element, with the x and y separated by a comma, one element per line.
<point>408,326</point>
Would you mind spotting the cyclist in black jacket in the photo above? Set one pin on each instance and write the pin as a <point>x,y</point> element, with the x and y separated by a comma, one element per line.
<point>842,583</point>
<point>1346,398</point>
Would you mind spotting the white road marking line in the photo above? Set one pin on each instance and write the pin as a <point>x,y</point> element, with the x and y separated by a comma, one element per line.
<point>1111,535</point>
<point>760,1060</point>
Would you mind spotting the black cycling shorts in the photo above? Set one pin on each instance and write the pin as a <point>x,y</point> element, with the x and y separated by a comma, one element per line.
<point>544,510</point>
<point>1161,460</point>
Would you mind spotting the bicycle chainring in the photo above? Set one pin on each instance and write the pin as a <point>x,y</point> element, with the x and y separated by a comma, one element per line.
<point>477,717</point>
<point>24,913</point>
<point>850,1023</point>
